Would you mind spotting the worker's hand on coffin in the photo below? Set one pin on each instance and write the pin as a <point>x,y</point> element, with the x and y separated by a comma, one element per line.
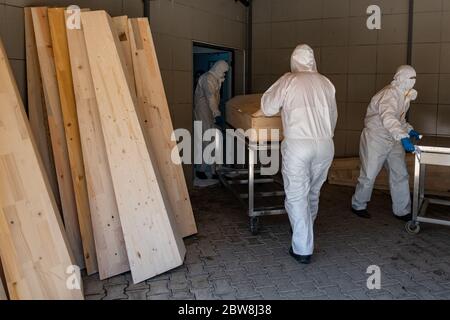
<point>219,121</point>
<point>258,114</point>
<point>407,145</point>
<point>414,134</point>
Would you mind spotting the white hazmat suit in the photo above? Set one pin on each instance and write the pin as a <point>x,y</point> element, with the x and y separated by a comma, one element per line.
<point>385,127</point>
<point>207,94</point>
<point>309,114</point>
<point>207,100</point>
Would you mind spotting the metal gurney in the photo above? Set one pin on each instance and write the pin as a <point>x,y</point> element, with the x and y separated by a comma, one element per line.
<point>431,151</point>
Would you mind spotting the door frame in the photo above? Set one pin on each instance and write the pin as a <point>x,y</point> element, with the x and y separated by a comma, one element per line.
<point>233,60</point>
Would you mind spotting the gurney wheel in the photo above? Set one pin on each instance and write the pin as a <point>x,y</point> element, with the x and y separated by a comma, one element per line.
<point>412,227</point>
<point>254,225</point>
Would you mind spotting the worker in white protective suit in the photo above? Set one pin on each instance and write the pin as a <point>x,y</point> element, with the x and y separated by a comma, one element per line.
<point>384,140</point>
<point>309,114</point>
<point>206,110</point>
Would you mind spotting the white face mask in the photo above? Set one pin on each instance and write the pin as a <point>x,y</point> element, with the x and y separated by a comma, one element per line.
<point>409,84</point>
<point>406,85</point>
<point>405,78</point>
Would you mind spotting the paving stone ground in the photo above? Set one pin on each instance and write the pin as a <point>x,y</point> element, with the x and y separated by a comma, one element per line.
<point>225,261</point>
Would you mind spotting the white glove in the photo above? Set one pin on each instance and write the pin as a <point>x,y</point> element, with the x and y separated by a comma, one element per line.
<point>412,95</point>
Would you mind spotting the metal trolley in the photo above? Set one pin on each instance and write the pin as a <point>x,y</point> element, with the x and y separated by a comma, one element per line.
<point>425,155</point>
<point>248,198</point>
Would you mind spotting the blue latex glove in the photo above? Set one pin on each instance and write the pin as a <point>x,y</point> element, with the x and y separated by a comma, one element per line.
<point>414,134</point>
<point>407,144</point>
<point>219,121</point>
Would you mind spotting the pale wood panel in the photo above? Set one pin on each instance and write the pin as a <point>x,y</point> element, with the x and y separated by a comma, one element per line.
<point>57,134</point>
<point>240,114</point>
<point>36,106</point>
<point>109,242</point>
<point>58,34</point>
<point>121,26</point>
<point>33,245</point>
<point>151,237</point>
<point>345,172</point>
<point>154,114</point>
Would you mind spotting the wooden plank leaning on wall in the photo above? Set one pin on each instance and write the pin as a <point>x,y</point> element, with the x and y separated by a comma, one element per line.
<point>57,23</point>
<point>33,244</point>
<point>153,111</point>
<point>57,134</point>
<point>153,242</point>
<point>121,26</point>
<point>36,105</point>
<point>109,242</point>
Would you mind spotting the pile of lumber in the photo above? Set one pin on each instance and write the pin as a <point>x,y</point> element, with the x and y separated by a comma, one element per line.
<point>97,149</point>
<point>345,172</point>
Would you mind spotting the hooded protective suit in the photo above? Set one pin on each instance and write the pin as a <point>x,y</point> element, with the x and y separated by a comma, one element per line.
<point>385,127</point>
<point>207,100</point>
<point>309,114</point>
<point>207,94</point>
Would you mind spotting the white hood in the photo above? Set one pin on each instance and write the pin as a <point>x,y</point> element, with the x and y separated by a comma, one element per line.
<point>404,79</point>
<point>219,69</point>
<point>302,59</point>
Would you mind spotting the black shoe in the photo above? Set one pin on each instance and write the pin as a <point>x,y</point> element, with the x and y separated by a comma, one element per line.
<point>201,175</point>
<point>362,213</point>
<point>406,218</point>
<point>299,258</point>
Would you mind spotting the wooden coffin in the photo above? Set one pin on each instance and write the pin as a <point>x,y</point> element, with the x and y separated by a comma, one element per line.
<point>240,114</point>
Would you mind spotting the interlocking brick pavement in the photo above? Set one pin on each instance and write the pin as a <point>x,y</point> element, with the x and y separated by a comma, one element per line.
<point>225,261</point>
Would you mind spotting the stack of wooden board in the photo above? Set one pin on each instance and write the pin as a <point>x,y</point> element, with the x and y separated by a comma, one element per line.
<point>102,128</point>
<point>34,249</point>
<point>240,114</point>
<point>345,172</point>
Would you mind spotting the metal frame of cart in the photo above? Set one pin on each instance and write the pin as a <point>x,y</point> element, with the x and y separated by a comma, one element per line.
<point>426,156</point>
<point>254,213</point>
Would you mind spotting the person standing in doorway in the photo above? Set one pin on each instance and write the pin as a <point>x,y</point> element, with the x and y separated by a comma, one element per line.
<point>206,110</point>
